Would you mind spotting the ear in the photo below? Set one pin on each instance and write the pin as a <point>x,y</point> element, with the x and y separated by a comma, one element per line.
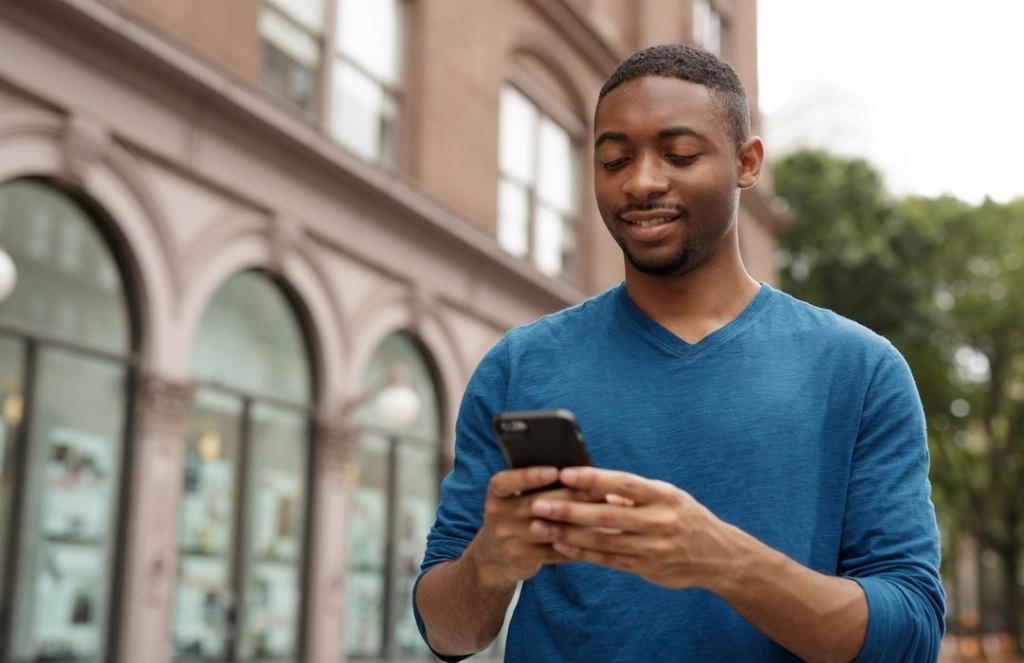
<point>750,158</point>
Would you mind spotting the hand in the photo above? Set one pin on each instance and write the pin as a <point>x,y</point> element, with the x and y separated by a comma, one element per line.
<point>505,550</point>
<point>650,528</point>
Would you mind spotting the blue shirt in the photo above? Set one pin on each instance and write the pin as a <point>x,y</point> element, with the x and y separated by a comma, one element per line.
<point>794,424</point>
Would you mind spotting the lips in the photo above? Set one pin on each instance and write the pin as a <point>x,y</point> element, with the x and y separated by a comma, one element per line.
<point>649,224</point>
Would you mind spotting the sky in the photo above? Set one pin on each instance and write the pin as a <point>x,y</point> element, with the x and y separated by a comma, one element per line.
<point>947,76</point>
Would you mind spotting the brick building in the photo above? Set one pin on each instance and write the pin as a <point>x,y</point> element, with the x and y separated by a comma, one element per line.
<point>237,227</point>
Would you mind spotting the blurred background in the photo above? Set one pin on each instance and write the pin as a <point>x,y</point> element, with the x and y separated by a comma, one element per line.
<point>253,249</point>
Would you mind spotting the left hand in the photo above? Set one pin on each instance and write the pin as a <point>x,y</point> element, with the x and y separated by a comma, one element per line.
<point>658,531</point>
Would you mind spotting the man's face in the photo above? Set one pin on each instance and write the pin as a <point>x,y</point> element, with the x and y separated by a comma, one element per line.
<point>665,173</point>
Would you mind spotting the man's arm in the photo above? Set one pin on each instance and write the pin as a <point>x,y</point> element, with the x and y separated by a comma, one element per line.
<point>463,602</point>
<point>670,539</point>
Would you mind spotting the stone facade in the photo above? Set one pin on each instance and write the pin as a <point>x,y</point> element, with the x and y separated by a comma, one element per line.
<point>154,110</point>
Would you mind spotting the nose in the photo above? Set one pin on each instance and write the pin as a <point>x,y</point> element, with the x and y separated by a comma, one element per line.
<point>645,179</point>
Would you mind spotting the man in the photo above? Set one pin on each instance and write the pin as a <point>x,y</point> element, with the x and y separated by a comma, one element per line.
<point>760,486</point>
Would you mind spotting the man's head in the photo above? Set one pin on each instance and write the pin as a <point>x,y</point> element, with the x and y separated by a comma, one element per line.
<point>671,152</point>
<point>692,64</point>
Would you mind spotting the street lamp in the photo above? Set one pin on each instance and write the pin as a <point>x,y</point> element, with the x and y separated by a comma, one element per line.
<point>8,274</point>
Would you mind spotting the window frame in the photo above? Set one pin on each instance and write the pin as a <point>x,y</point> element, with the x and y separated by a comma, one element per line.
<point>548,107</point>
<point>329,60</point>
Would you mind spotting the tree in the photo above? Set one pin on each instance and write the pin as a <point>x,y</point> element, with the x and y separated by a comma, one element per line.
<point>943,281</point>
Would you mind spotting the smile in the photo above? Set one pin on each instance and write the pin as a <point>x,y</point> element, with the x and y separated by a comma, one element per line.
<point>647,223</point>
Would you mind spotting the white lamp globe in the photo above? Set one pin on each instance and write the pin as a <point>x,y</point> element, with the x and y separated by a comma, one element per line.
<point>398,406</point>
<point>8,274</point>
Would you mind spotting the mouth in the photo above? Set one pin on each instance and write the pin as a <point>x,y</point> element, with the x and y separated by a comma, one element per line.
<point>647,223</point>
<point>650,216</point>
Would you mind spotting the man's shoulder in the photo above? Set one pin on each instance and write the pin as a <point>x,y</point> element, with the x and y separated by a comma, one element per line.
<point>568,322</point>
<point>813,323</point>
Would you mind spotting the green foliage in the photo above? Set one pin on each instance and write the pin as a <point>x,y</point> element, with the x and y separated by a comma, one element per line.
<point>943,280</point>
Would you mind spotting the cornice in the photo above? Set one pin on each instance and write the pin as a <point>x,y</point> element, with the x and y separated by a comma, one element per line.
<point>581,33</point>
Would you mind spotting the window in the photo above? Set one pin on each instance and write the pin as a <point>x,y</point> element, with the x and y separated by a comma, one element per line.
<point>241,529</point>
<point>398,478</point>
<point>538,190</point>
<point>707,26</point>
<point>355,45</point>
<point>63,414</point>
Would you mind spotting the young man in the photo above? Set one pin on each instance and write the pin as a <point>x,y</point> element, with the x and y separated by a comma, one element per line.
<point>760,487</point>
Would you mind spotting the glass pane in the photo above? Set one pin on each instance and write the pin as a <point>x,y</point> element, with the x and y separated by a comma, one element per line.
<point>310,13</point>
<point>289,61</point>
<point>367,543</point>
<point>276,506</point>
<point>250,339</point>
<point>400,353</point>
<point>11,402</point>
<point>547,236</point>
<point>517,135</point>
<point>556,168</point>
<point>513,218</point>
<point>205,526</point>
<point>63,265</point>
<point>362,114</point>
<point>417,494</point>
<point>368,34</point>
<point>68,523</point>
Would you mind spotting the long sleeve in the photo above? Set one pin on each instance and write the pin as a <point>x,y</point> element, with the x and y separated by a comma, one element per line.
<point>890,537</point>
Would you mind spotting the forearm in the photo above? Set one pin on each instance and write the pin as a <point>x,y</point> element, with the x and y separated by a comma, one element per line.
<point>815,616</point>
<point>461,610</point>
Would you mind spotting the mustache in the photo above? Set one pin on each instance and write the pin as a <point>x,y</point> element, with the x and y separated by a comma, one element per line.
<point>678,208</point>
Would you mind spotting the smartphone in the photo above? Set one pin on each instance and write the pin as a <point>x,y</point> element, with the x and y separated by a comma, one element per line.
<point>540,437</point>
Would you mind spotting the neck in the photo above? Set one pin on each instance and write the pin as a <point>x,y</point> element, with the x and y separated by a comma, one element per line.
<point>696,303</point>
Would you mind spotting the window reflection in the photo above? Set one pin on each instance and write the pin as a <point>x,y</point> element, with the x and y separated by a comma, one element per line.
<point>62,426</point>
<point>538,188</point>
<point>243,511</point>
<point>391,511</point>
<point>66,541</point>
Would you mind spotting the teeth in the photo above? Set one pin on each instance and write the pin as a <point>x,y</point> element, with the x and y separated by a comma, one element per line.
<point>647,223</point>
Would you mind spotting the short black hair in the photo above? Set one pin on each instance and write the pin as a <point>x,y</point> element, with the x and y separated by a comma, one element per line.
<point>693,64</point>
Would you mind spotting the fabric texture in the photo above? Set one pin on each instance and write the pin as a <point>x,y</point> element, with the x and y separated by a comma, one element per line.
<point>794,424</point>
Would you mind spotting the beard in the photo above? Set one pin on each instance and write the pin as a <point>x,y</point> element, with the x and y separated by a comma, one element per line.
<point>679,262</point>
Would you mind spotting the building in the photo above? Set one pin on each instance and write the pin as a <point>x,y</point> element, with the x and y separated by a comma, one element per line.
<point>238,228</point>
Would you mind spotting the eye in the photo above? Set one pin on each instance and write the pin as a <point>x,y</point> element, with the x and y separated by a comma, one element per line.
<point>682,159</point>
<point>615,164</point>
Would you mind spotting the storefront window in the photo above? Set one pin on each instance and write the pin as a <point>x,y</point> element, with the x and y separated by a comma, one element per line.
<point>242,531</point>
<point>64,370</point>
<point>392,510</point>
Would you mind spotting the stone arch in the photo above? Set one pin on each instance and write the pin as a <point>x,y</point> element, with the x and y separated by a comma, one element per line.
<point>83,157</point>
<point>401,308</point>
<point>248,243</point>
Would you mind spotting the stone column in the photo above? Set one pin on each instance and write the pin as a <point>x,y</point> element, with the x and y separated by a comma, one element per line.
<point>161,408</point>
<point>333,449</point>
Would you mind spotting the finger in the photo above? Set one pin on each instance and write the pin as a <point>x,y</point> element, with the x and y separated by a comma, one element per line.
<point>509,483</point>
<point>618,500</point>
<point>623,484</point>
<point>611,560</point>
<point>589,514</point>
<point>598,539</point>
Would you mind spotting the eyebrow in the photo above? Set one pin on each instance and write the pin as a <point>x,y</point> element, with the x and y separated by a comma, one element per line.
<point>671,132</point>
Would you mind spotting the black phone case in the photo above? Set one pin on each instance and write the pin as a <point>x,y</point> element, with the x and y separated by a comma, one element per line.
<point>541,437</point>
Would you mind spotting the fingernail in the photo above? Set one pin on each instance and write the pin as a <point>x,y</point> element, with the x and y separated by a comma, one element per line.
<point>548,474</point>
<point>562,548</point>
<point>542,508</point>
<point>540,529</point>
<point>570,475</point>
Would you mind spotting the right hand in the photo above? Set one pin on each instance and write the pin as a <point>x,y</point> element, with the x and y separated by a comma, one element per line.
<point>507,548</point>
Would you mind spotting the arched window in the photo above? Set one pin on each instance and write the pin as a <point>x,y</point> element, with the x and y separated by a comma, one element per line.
<point>242,525</point>
<point>65,365</point>
<point>397,477</point>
